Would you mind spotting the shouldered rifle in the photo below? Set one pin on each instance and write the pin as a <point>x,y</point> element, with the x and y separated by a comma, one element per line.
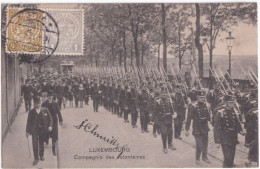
<point>206,102</point>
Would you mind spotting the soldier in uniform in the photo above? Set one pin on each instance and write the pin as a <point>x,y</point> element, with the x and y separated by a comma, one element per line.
<point>164,110</point>
<point>96,96</point>
<point>226,129</point>
<point>180,109</point>
<point>251,126</point>
<point>155,116</point>
<point>143,105</point>
<point>127,106</point>
<point>133,105</point>
<point>121,101</point>
<point>199,113</point>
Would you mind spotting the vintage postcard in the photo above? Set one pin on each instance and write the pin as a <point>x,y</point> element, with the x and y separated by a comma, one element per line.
<point>129,85</point>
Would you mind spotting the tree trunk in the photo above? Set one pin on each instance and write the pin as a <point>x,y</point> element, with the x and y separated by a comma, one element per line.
<point>159,45</point>
<point>131,54</point>
<point>120,57</point>
<point>124,50</point>
<point>164,38</point>
<point>142,50</point>
<point>113,54</point>
<point>211,43</point>
<point>136,49</point>
<point>197,41</point>
<point>179,43</point>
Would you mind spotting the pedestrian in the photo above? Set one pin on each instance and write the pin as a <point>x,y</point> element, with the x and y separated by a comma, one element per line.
<point>27,93</point>
<point>54,110</point>
<point>81,95</point>
<point>39,122</point>
<point>69,95</point>
<point>199,113</point>
<point>226,129</point>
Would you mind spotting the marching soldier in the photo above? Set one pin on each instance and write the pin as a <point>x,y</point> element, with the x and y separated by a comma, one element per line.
<point>226,129</point>
<point>155,116</point>
<point>252,138</point>
<point>133,105</point>
<point>165,113</point>
<point>200,115</point>
<point>180,109</point>
<point>143,105</point>
<point>127,106</point>
<point>121,101</point>
<point>96,96</point>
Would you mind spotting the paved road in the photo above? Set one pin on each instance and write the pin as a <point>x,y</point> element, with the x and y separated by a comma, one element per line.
<point>76,144</point>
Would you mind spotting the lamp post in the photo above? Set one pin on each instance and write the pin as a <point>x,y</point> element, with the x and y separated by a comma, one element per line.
<point>230,41</point>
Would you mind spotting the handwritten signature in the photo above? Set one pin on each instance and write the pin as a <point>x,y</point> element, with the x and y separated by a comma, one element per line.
<point>88,127</point>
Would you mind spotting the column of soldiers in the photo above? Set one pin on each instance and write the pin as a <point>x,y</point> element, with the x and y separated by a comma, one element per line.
<point>166,102</point>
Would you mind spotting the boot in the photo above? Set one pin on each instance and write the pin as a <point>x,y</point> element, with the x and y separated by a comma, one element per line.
<point>53,149</point>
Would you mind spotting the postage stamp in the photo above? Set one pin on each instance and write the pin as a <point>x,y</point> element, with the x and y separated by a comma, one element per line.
<point>31,31</point>
<point>24,33</point>
<point>71,26</point>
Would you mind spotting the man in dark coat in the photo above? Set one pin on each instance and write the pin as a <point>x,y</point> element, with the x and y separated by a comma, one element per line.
<point>199,113</point>
<point>55,113</point>
<point>39,122</point>
<point>27,93</point>
<point>226,129</point>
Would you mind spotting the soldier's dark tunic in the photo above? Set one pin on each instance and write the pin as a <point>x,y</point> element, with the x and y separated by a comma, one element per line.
<point>115,100</point>
<point>179,108</point>
<point>133,106</point>
<point>164,111</point>
<point>199,114</point>
<point>121,101</point>
<point>144,114</point>
<point>87,88</point>
<point>96,96</point>
<point>251,126</point>
<point>128,99</point>
<point>226,129</point>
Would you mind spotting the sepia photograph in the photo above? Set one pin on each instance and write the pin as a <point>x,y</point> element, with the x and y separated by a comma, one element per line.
<point>129,85</point>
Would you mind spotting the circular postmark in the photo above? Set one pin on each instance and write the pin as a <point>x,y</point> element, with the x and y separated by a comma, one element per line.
<point>33,32</point>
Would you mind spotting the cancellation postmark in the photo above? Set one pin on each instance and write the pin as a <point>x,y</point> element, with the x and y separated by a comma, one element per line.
<point>31,31</point>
